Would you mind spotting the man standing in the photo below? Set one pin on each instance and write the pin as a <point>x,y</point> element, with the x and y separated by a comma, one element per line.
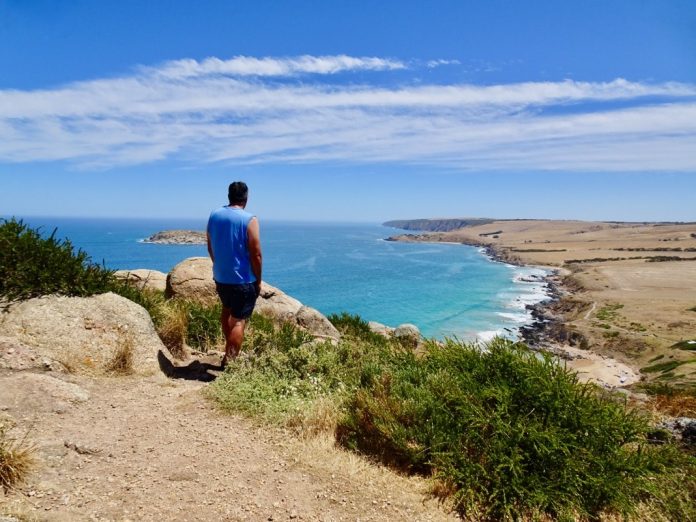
<point>234,246</point>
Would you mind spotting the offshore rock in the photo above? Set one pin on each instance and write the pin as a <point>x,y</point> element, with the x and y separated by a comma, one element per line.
<point>178,237</point>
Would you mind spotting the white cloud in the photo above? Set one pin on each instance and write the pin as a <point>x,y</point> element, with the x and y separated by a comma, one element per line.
<point>232,110</point>
<point>251,66</point>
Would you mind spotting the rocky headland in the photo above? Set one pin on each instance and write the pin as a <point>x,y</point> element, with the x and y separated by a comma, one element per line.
<point>177,237</point>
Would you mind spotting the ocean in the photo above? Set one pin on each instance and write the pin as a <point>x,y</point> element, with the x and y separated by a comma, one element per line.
<point>447,290</point>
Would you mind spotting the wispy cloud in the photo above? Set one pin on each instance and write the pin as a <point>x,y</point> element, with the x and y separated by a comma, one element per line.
<point>251,110</point>
<point>251,66</point>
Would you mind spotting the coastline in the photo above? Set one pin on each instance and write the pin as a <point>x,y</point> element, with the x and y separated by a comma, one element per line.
<point>544,332</point>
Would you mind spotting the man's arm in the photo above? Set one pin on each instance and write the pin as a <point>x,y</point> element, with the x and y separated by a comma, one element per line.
<point>210,248</point>
<point>254,245</point>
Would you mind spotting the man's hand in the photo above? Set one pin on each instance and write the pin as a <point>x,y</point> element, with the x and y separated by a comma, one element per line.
<point>257,286</point>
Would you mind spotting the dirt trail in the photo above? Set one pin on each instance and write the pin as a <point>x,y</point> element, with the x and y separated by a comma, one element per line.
<point>156,449</point>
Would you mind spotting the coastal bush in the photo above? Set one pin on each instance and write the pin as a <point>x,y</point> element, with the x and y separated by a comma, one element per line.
<point>32,265</point>
<point>203,329</point>
<point>505,432</point>
<point>356,327</point>
<point>509,433</point>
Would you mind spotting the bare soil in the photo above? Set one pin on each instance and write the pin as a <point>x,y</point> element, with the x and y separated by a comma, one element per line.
<point>156,449</point>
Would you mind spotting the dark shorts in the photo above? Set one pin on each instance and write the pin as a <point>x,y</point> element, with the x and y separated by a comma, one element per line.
<point>239,299</point>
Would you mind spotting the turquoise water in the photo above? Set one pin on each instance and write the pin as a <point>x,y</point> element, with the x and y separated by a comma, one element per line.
<point>444,289</point>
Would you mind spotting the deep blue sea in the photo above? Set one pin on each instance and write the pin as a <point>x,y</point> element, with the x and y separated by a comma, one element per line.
<point>444,289</point>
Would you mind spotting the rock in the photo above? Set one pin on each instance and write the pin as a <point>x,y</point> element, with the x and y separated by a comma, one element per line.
<point>407,331</point>
<point>178,237</point>
<point>143,278</point>
<point>17,356</point>
<point>276,304</point>
<point>379,328</point>
<point>32,393</point>
<point>193,279</point>
<point>279,306</point>
<point>683,427</point>
<point>84,333</point>
<point>316,324</point>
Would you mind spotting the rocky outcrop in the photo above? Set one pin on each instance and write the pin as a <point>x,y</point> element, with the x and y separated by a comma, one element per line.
<point>84,333</point>
<point>192,279</point>
<point>279,306</point>
<point>178,237</point>
<point>143,279</point>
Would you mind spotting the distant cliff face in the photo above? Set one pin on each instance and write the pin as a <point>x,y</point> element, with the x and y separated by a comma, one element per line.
<point>436,225</point>
<point>178,237</point>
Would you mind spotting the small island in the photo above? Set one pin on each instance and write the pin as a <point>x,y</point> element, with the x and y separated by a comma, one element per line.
<point>177,237</point>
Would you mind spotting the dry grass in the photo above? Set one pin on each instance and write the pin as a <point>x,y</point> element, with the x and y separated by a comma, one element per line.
<point>320,418</point>
<point>676,405</point>
<point>321,455</point>
<point>121,362</point>
<point>172,329</point>
<point>16,459</point>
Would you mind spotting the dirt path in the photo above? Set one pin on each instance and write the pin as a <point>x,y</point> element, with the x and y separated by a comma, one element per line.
<point>156,449</point>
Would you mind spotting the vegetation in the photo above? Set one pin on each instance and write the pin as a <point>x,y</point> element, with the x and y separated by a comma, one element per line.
<point>609,312</point>
<point>505,432</point>
<point>32,265</point>
<point>16,459</point>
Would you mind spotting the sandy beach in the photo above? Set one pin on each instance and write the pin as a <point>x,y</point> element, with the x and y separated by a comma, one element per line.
<point>627,292</point>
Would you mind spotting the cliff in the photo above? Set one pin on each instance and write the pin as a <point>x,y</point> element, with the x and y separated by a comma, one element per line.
<point>436,225</point>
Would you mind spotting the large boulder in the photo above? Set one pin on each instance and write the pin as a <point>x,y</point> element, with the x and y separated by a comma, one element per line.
<point>408,333</point>
<point>143,279</point>
<point>192,279</point>
<point>276,304</point>
<point>84,333</point>
<point>315,323</point>
<point>279,306</point>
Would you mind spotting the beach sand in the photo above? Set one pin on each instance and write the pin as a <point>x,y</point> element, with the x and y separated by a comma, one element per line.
<point>629,289</point>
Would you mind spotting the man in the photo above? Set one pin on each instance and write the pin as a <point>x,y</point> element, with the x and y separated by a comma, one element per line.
<point>234,246</point>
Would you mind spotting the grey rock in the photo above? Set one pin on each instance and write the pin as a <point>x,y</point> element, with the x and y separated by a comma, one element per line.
<point>316,324</point>
<point>379,328</point>
<point>192,279</point>
<point>84,333</point>
<point>143,278</point>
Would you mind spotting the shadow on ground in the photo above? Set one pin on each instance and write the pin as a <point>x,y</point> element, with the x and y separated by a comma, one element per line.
<point>204,368</point>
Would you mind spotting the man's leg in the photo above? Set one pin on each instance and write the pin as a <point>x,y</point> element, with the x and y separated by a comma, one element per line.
<point>233,329</point>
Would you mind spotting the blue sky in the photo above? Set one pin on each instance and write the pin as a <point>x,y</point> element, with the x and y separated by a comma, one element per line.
<point>359,111</point>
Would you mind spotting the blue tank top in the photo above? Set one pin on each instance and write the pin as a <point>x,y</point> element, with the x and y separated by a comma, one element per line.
<point>227,228</point>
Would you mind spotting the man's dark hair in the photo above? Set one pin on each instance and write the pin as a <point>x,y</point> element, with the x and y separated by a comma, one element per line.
<point>238,193</point>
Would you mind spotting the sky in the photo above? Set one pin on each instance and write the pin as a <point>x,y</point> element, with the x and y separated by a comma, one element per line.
<point>349,110</point>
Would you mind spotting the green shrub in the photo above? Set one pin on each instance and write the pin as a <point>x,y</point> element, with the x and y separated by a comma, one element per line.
<point>203,329</point>
<point>32,265</point>
<point>510,432</point>
<point>662,367</point>
<point>356,327</point>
